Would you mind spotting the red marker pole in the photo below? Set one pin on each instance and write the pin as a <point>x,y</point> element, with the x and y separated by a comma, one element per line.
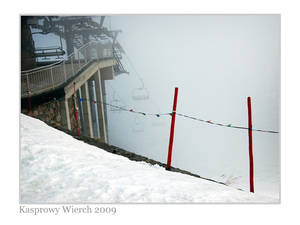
<point>28,97</point>
<point>75,103</point>
<point>172,130</point>
<point>250,145</point>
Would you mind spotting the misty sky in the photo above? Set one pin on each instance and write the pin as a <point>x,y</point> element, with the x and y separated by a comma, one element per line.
<point>216,61</point>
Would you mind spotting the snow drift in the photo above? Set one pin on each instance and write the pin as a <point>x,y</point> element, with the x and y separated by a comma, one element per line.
<point>56,168</point>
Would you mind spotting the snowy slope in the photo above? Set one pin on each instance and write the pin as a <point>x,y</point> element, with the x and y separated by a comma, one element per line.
<point>56,168</point>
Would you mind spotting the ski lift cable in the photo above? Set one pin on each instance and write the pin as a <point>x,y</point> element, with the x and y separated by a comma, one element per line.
<point>136,73</point>
<point>137,93</point>
<point>139,77</point>
<point>115,92</point>
<point>142,92</point>
<point>117,105</point>
<point>126,108</point>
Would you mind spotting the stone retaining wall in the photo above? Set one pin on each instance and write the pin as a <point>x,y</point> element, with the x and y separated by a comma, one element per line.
<point>53,113</point>
<point>48,112</point>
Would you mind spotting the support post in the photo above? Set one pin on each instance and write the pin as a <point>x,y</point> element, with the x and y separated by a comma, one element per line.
<point>67,114</point>
<point>87,109</point>
<point>250,145</point>
<point>100,106</point>
<point>172,130</point>
<point>75,104</point>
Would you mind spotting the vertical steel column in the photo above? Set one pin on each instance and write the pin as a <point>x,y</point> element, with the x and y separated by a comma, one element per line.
<point>75,104</point>
<point>81,112</point>
<point>87,109</point>
<point>100,106</point>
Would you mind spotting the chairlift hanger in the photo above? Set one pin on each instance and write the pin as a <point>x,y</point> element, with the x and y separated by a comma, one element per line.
<point>51,50</point>
<point>117,105</point>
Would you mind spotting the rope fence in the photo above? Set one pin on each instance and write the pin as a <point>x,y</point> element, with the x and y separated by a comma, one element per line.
<point>178,114</point>
<point>173,115</point>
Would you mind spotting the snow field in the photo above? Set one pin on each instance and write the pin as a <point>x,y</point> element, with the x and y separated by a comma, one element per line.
<point>56,168</point>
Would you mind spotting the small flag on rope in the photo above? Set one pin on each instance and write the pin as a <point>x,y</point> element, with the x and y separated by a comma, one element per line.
<point>229,125</point>
<point>81,100</point>
<point>157,115</point>
<point>208,121</point>
<point>95,102</point>
<point>131,110</point>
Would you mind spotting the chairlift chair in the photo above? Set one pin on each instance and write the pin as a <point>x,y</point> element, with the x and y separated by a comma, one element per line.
<point>50,50</point>
<point>117,105</point>
<point>140,93</point>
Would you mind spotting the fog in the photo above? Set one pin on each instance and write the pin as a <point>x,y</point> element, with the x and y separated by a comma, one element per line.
<point>216,61</point>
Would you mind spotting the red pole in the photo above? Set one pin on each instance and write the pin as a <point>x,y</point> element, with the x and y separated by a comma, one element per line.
<point>28,96</point>
<point>250,145</point>
<point>76,111</point>
<point>172,130</point>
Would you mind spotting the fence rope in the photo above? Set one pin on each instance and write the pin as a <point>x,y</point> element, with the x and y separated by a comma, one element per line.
<point>170,114</point>
<point>225,125</point>
<point>179,114</point>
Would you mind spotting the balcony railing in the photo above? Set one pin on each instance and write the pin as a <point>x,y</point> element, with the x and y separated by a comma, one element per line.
<point>49,77</point>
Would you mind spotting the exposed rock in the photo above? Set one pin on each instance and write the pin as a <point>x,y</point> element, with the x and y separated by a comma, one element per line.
<point>58,119</point>
<point>35,112</point>
<point>24,111</point>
